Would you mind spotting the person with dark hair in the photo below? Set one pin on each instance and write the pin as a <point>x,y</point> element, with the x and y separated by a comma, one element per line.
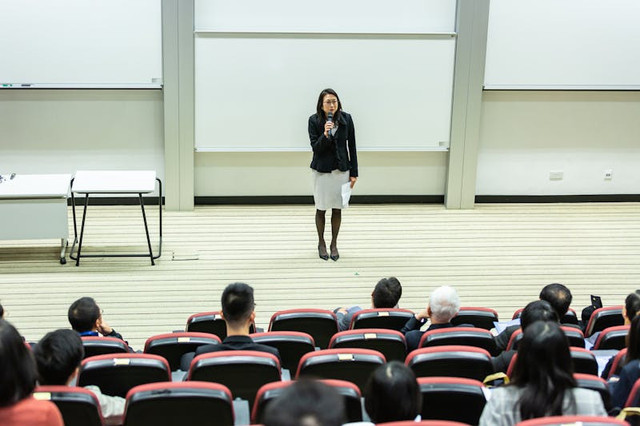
<point>386,294</point>
<point>392,394</point>
<point>542,383</point>
<point>18,377</point>
<point>238,313</point>
<point>557,295</point>
<point>306,403</point>
<point>58,356</point>
<point>1,311</point>
<point>85,317</point>
<point>334,163</point>
<point>630,366</point>
<point>538,310</point>
<point>444,304</point>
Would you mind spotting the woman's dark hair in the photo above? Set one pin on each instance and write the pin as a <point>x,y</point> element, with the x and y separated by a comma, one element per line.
<point>17,369</point>
<point>392,394</point>
<point>319,109</point>
<point>632,305</point>
<point>633,341</point>
<point>543,370</point>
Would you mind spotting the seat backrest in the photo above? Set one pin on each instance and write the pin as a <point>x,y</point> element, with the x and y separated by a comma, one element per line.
<point>612,338</point>
<point>98,345</point>
<point>321,324</point>
<point>291,345</point>
<point>584,361</point>
<point>178,403</point>
<point>212,323</point>
<point>390,343</point>
<point>78,406</point>
<point>595,383</point>
<point>476,316</point>
<point>270,391</point>
<point>452,361</point>
<point>573,421</point>
<point>352,365</point>
<point>172,346</point>
<point>463,336</point>
<point>391,319</point>
<point>515,338</point>
<point>602,318</point>
<point>451,398</point>
<point>243,372</point>
<point>569,318</point>
<point>575,336</point>
<point>616,365</point>
<point>633,400</point>
<point>115,374</point>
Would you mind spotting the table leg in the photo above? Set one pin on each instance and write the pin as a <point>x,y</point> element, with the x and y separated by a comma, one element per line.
<point>84,216</point>
<point>146,228</point>
<point>63,249</point>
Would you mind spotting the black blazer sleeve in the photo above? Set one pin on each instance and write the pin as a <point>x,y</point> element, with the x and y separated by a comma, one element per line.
<point>351,146</point>
<point>319,142</point>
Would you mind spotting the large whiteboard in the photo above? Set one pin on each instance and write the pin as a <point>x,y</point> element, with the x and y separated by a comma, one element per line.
<point>256,93</point>
<point>258,75</point>
<point>80,43</point>
<point>563,44</point>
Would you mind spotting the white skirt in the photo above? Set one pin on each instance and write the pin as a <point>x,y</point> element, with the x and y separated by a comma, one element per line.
<point>327,189</point>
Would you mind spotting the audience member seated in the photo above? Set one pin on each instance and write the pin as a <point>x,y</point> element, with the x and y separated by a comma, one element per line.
<point>238,313</point>
<point>558,296</point>
<point>629,311</point>
<point>306,403</point>
<point>85,317</point>
<point>542,383</point>
<point>444,304</point>
<point>17,380</point>
<point>385,295</point>
<point>392,394</point>
<point>539,310</point>
<point>58,356</point>
<point>631,367</point>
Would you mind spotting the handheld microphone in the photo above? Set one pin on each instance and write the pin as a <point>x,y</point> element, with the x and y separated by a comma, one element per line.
<point>329,120</point>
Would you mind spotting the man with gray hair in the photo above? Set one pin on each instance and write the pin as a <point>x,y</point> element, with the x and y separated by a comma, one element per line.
<point>444,304</point>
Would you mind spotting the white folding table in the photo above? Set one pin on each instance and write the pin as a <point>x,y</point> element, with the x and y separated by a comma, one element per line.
<point>123,182</point>
<point>35,207</point>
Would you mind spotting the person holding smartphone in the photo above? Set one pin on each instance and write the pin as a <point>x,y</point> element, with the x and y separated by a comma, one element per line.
<point>334,163</point>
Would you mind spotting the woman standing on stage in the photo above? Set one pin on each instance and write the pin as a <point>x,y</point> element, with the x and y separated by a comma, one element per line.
<point>335,162</point>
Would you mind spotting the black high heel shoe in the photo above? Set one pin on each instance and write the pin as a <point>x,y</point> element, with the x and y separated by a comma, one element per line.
<point>334,254</point>
<point>322,252</point>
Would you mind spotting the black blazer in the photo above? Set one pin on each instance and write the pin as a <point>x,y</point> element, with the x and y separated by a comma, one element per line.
<point>333,152</point>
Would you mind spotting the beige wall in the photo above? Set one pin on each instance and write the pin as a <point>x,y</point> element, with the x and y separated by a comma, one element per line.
<point>61,131</point>
<point>288,173</point>
<point>524,135</point>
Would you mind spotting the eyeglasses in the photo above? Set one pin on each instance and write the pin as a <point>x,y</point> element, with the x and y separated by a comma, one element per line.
<point>331,102</point>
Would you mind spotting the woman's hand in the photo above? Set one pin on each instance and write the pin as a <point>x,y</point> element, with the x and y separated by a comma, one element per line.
<point>327,127</point>
<point>353,180</point>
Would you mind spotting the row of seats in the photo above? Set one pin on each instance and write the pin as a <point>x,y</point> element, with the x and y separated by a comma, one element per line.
<point>169,402</point>
<point>245,371</point>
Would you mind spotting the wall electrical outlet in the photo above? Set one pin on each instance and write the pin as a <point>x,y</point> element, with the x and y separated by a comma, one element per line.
<point>608,174</point>
<point>556,175</point>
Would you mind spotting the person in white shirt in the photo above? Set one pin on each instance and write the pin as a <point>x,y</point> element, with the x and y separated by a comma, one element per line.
<point>58,356</point>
